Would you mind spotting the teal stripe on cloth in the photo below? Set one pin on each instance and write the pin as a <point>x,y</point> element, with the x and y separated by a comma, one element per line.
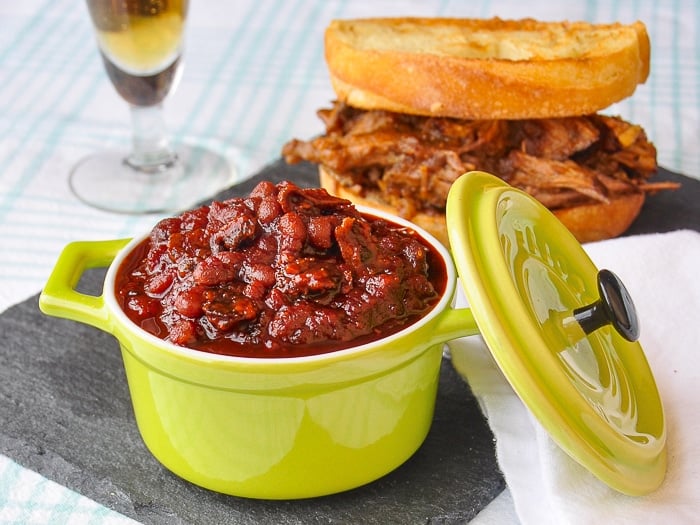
<point>653,81</point>
<point>316,57</point>
<point>294,53</point>
<point>75,42</point>
<point>676,85</point>
<point>27,498</point>
<point>33,27</point>
<point>279,42</point>
<point>235,40</point>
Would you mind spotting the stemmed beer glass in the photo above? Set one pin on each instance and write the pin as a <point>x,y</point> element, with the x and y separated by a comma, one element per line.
<point>141,43</point>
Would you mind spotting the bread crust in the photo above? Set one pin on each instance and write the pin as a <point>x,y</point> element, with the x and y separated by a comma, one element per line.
<point>485,68</point>
<point>587,222</point>
<point>434,224</point>
<point>596,222</point>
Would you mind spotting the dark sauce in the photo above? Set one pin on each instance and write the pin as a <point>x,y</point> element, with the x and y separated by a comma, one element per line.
<point>142,90</point>
<point>286,272</point>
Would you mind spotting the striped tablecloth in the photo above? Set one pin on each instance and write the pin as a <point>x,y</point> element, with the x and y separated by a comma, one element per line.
<point>254,77</point>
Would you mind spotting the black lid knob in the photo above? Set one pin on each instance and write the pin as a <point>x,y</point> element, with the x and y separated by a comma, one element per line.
<point>614,307</point>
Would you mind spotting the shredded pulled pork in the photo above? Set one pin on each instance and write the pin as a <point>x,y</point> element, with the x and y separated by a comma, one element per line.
<point>412,160</point>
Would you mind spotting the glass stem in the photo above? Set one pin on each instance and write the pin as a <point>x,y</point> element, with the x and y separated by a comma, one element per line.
<point>151,146</point>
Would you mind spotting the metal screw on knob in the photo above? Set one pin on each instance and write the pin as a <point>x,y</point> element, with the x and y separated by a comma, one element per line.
<point>614,307</point>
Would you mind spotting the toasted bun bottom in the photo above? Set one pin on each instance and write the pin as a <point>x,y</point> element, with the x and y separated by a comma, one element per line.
<point>595,222</point>
<point>588,222</point>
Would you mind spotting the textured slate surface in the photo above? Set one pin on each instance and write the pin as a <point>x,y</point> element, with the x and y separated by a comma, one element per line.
<point>66,413</point>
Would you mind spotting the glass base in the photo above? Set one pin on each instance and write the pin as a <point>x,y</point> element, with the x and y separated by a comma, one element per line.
<point>107,181</point>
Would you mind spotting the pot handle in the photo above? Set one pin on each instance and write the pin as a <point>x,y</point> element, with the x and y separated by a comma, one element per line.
<point>454,323</point>
<point>59,297</point>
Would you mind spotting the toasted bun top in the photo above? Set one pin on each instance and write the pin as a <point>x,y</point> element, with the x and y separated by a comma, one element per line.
<point>485,68</point>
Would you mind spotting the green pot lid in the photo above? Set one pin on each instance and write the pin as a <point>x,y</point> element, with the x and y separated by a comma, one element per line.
<point>536,298</point>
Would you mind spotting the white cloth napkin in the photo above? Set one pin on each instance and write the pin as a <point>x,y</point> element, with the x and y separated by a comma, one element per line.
<point>662,273</point>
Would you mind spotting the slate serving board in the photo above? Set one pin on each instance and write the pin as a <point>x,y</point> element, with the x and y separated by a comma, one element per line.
<point>65,412</point>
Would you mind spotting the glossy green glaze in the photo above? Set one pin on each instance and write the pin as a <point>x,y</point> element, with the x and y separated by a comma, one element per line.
<point>594,394</point>
<point>269,428</point>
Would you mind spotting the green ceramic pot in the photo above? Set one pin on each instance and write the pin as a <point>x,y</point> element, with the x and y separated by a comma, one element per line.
<point>562,332</point>
<point>270,428</point>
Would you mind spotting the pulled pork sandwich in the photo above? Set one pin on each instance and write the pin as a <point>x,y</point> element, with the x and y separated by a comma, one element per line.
<point>422,101</point>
